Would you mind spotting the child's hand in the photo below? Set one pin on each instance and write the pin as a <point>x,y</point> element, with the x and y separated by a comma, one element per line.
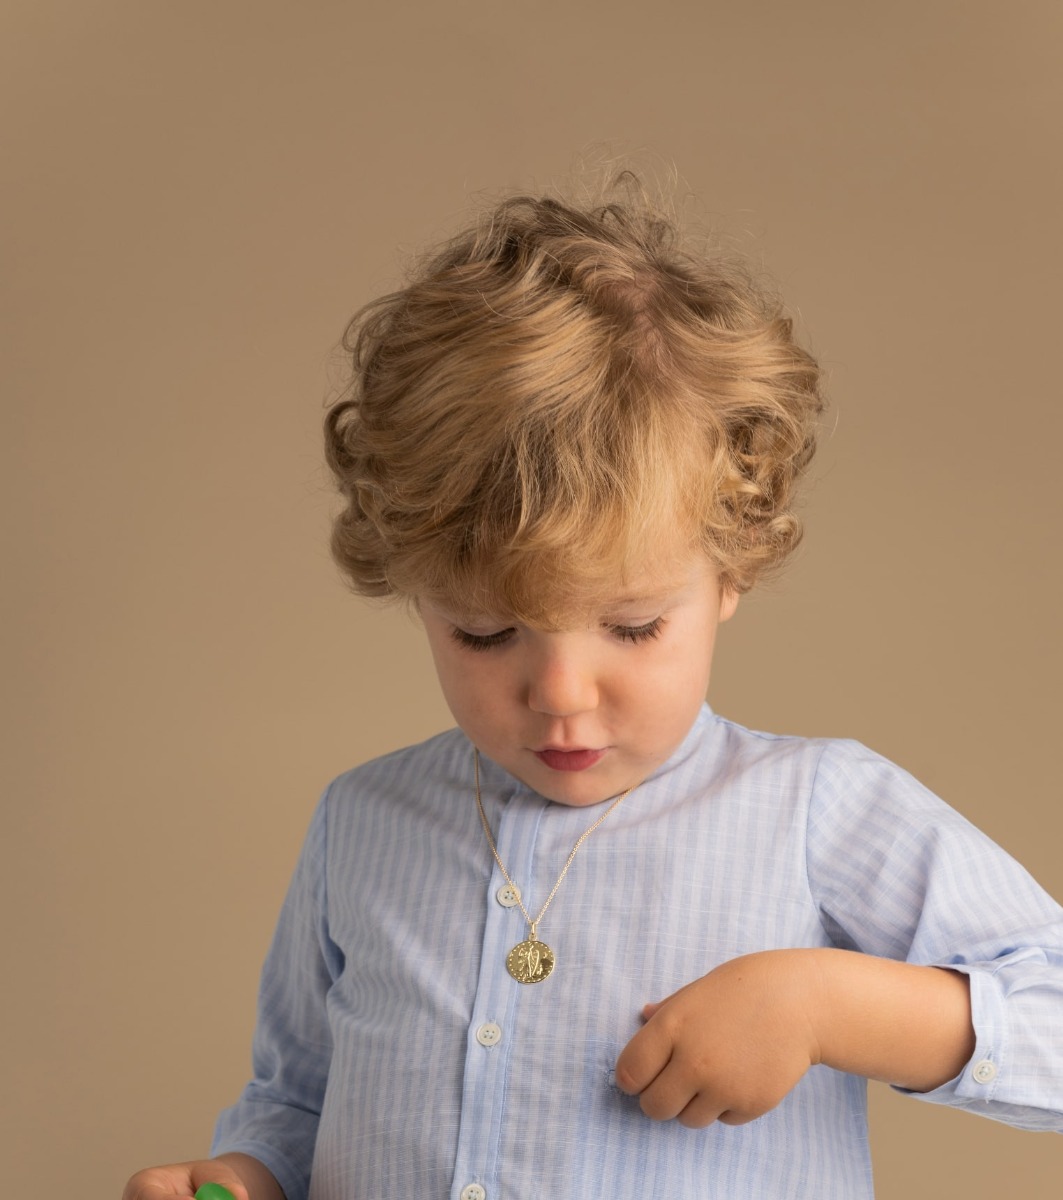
<point>180,1181</point>
<point>727,1047</point>
<point>241,1174</point>
<point>731,1045</point>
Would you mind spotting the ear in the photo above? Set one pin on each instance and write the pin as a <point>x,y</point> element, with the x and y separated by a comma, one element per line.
<point>728,603</point>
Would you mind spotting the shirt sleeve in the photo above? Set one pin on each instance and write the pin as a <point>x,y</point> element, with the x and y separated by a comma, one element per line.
<point>897,873</point>
<point>276,1118</point>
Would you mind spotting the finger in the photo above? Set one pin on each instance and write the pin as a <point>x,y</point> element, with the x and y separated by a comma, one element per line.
<point>702,1111</point>
<point>668,1096</point>
<point>733,1117</point>
<point>149,1190</point>
<point>643,1059</point>
<point>159,1183</point>
<point>649,1009</point>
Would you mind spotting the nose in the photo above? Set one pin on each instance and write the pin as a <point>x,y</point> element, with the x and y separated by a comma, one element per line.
<point>562,681</point>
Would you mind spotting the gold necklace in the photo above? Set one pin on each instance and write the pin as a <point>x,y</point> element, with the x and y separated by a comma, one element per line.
<point>532,960</point>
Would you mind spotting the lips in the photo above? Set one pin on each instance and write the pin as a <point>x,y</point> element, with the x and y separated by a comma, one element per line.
<point>569,760</point>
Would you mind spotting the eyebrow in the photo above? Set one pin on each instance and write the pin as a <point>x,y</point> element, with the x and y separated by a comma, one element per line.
<point>457,616</point>
<point>660,595</point>
<point>652,598</point>
<point>658,598</point>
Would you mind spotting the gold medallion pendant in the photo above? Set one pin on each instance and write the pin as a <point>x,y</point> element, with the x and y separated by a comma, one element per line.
<point>531,961</point>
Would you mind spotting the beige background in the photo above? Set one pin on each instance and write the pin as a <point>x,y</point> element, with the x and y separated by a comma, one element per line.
<point>196,197</point>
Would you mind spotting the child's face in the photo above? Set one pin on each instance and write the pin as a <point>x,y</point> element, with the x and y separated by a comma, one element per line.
<point>581,714</point>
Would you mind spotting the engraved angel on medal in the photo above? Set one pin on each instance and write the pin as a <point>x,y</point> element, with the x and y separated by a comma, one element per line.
<point>530,961</point>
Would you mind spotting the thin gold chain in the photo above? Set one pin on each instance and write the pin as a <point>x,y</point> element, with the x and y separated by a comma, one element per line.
<point>564,870</point>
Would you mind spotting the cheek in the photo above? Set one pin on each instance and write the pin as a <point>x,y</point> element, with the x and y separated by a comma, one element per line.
<point>475,690</point>
<point>684,674</point>
<point>459,686</point>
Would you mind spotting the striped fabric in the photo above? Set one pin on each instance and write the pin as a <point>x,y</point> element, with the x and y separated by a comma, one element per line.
<point>375,1075</point>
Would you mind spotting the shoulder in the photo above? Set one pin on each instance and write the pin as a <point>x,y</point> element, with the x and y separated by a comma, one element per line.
<point>421,782</point>
<point>830,757</point>
<point>832,775</point>
<point>787,760</point>
<point>445,755</point>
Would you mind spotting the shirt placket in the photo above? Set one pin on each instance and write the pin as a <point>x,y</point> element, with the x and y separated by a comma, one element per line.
<point>496,1015</point>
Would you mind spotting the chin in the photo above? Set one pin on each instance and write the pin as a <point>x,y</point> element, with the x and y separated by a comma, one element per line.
<point>578,790</point>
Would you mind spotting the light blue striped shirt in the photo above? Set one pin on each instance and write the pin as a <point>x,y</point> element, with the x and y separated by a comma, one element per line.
<point>395,1056</point>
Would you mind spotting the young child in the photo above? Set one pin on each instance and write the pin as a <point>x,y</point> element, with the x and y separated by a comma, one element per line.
<point>598,941</point>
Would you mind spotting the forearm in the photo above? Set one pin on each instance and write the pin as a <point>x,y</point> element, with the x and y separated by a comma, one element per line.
<point>893,1021</point>
<point>258,1180</point>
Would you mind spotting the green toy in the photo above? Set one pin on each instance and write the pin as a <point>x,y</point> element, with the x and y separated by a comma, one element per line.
<point>214,1191</point>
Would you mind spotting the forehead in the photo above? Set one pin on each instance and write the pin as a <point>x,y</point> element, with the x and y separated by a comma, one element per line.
<point>545,601</point>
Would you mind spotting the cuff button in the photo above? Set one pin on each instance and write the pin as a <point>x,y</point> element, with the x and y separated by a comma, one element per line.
<point>984,1071</point>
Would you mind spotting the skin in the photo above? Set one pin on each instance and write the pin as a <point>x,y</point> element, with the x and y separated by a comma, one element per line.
<point>628,681</point>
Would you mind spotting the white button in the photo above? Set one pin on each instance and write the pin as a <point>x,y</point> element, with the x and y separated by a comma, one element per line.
<point>508,896</point>
<point>473,1192</point>
<point>985,1071</point>
<point>489,1034</point>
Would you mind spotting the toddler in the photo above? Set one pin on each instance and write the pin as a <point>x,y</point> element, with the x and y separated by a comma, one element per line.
<point>598,941</point>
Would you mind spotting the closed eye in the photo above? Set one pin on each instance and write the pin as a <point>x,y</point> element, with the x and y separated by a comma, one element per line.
<point>623,633</point>
<point>638,633</point>
<point>481,641</point>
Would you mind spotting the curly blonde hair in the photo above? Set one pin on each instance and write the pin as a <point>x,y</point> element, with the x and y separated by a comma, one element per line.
<point>561,393</point>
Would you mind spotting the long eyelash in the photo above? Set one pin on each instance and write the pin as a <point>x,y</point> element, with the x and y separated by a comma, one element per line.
<point>480,641</point>
<point>639,633</point>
